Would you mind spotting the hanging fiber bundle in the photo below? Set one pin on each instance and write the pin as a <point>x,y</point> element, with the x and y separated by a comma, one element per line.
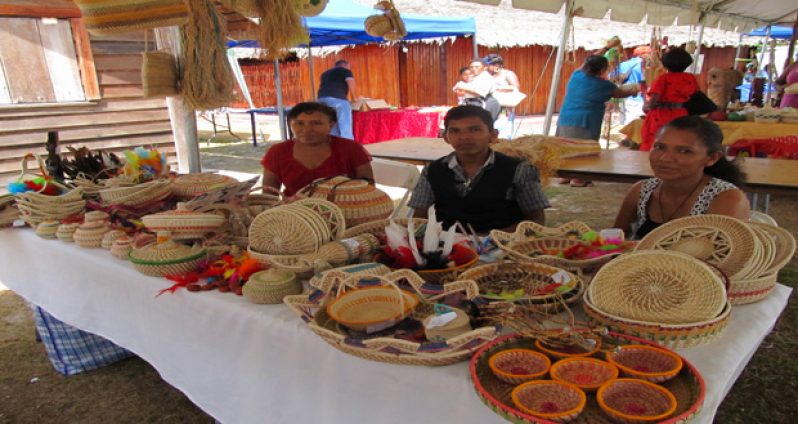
<point>207,79</point>
<point>280,27</point>
<point>248,8</point>
<point>117,16</point>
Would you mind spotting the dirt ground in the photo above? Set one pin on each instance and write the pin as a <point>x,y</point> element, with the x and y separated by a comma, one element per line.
<point>131,391</point>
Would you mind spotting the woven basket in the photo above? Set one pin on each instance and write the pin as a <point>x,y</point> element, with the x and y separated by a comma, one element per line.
<point>629,400</point>
<point>718,239</point>
<point>765,253</point>
<point>36,207</point>
<point>110,238</point>
<point>377,25</point>
<point>137,195</point>
<point>65,232</point>
<point>159,74</point>
<point>586,373</point>
<point>457,326</point>
<point>565,352</point>
<point>329,211</point>
<point>536,279</point>
<point>668,335</point>
<point>784,246</point>
<point>311,309</point>
<point>310,8</point>
<point>646,362</point>
<point>271,286</point>
<point>437,276</point>
<point>742,292</point>
<point>288,230</point>
<point>516,366</point>
<point>122,247</point>
<point>658,286</point>
<point>167,258</point>
<point>550,400</point>
<point>530,229</point>
<point>90,234</point>
<point>688,386</point>
<point>48,230</point>
<point>8,211</point>
<point>368,268</point>
<point>360,201</point>
<point>373,308</point>
<point>113,17</point>
<point>182,223</point>
<point>188,186</point>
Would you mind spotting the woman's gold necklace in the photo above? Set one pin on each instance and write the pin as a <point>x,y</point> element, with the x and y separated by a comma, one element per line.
<point>659,202</point>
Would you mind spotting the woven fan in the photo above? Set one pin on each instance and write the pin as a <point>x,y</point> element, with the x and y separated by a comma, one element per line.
<point>720,240</point>
<point>329,211</point>
<point>658,286</point>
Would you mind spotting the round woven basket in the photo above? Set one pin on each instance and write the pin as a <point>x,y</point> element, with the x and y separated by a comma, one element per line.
<point>631,400</point>
<point>90,234</point>
<point>182,223</point>
<point>48,230</point>
<point>373,308</point>
<point>377,25</point>
<point>646,362</point>
<point>586,373</point>
<point>658,286</point>
<point>271,286</point>
<point>368,268</point>
<point>282,231</point>
<point>110,237</point>
<point>360,201</point>
<point>36,207</point>
<point>137,195</point>
<point>437,276</point>
<point>122,247</point>
<point>565,352</point>
<point>167,258</point>
<point>743,292</point>
<point>65,232</point>
<point>668,335</point>
<point>720,240</point>
<point>188,186</point>
<point>378,227</point>
<point>329,211</point>
<point>784,246</point>
<point>516,366</point>
<point>551,400</point>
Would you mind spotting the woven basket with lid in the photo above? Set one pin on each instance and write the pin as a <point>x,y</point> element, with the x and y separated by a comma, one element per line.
<point>166,258</point>
<point>359,200</point>
<point>271,286</point>
<point>182,223</point>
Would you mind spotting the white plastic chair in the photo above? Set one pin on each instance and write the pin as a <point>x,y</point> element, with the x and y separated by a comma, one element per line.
<point>396,174</point>
<point>762,218</point>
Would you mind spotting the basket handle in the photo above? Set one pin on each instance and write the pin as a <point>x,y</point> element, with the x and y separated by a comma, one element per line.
<point>26,171</point>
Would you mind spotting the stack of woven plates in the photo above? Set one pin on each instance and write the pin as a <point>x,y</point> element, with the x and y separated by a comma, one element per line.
<point>8,211</point>
<point>295,228</point>
<point>749,255</point>
<point>183,224</point>
<point>668,297</point>
<point>166,258</point>
<point>36,207</point>
<point>188,186</point>
<point>137,195</point>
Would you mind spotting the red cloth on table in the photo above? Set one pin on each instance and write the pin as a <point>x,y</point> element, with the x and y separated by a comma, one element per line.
<point>783,147</point>
<point>345,157</point>
<point>374,126</point>
<point>672,87</point>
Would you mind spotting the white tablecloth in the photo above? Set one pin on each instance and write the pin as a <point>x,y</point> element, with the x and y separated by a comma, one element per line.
<point>243,363</point>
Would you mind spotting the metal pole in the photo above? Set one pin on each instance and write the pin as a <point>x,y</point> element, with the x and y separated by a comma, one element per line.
<point>697,53</point>
<point>278,83</point>
<point>771,64</point>
<point>312,78</point>
<point>555,79</point>
<point>737,52</point>
<point>764,47</point>
<point>474,45</point>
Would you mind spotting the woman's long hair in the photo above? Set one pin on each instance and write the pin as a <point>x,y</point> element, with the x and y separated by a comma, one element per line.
<point>594,65</point>
<point>711,136</point>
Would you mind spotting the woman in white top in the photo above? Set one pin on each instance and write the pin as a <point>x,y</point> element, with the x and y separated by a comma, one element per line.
<point>691,177</point>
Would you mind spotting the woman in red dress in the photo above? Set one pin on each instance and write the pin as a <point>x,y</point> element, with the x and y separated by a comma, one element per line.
<point>667,95</point>
<point>313,153</point>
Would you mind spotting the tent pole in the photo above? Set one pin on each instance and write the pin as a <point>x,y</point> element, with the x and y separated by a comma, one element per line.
<point>278,84</point>
<point>737,52</point>
<point>312,78</point>
<point>791,46</point>
<point>555,79</point>
<point>697,53</point>
<point>771,64</point>
<point>474,45</point>
<point>764,47</point>
<point>239,76</point>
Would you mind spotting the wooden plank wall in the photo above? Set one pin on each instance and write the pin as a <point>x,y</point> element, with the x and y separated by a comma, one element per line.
<point>120,120</point>
<point>424,75</point>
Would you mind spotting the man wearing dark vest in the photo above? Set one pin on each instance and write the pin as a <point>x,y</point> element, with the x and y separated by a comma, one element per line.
<point>474,184</point>
<point>337,84</point>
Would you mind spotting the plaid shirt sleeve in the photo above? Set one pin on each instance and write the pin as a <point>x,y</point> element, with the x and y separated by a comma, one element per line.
<point>528,191</point>
<point>423,197</point>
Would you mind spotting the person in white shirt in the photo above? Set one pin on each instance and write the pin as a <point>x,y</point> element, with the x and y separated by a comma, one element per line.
<point>481,88</point>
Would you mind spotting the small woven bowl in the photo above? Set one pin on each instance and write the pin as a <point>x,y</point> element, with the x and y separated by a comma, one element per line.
<point>373,308</point>
<point>586,373</point>
<point>629,400</point>
<point>516,366</point>
<point>568,352</point>
<point>646,362</point>
<point>550,400</point>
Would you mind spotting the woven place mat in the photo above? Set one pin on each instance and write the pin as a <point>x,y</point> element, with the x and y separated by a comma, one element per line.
<point>687,386</point>
<point>784,243</point>
<point>721,240</point>
<point>658,286</point>
<point>767,253</point>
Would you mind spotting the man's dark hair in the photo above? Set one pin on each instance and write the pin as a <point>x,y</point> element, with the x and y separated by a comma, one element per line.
<point>341,62</point>
<point>463,69</point>
<point>467,111</point>
<point>310,107</point>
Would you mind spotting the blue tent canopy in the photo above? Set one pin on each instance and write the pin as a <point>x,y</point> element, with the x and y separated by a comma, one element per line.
<point>781,32</point>
<point>341,23</point>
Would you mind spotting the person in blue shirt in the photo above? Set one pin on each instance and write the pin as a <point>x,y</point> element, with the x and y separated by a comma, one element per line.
<point>586,94</point>
<point>631,72</point>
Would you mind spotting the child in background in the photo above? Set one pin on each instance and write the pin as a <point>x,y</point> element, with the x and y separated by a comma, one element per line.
<point>466,76</point>
<point>667,95</point>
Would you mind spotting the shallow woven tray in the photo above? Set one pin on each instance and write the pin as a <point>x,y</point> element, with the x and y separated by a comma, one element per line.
<point>378,227</point>
<point>310,308</point>
<point>688,386</point>
<point>658,286</point>
<point>530,229</point>
<point>784,246</point>
<point>718,239</point>
<point>671,336</point>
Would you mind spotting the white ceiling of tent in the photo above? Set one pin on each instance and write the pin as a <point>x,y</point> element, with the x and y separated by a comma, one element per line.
<point>731,15</point>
